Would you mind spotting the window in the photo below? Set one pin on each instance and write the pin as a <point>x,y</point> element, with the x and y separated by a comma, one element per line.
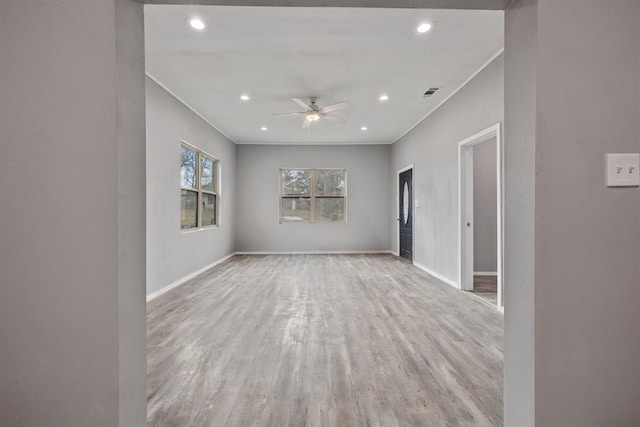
<point>313,195</point>
<point>199,189</point>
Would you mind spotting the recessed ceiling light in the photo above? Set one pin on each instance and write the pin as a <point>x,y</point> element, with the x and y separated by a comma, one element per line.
<point>384,97</point>
<point>423,28</point>
<point>364,128</point>
<point>197,24</point>
<point>264,128</point>
<point>245,97</point>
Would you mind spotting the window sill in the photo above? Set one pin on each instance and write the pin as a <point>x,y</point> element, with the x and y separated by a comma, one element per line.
<point>312,223</point>
<point>197,230</point>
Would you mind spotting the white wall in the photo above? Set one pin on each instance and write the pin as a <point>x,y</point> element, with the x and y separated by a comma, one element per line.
<point>258,227</point>
<point>171,253</point>
<point>485,208</point>
<point>433,149</point>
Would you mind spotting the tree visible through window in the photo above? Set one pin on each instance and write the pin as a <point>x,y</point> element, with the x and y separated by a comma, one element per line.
<point>313,195</point>
<point>199,192</point>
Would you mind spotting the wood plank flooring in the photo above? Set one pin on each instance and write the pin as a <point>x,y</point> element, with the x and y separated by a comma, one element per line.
<point>486,287</point>
<point>322,340</point>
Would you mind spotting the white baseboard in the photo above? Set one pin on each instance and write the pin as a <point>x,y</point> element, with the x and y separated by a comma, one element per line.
<point>436,275</point>
<point>187,278</point>
<point>485,273</point>
<point>315,253</point>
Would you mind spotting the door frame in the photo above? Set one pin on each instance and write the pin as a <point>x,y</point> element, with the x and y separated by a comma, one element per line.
<point>413,211</point>
<point>465,208</point>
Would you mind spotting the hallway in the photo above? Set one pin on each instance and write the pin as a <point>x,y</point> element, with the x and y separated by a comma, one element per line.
<point>322,340</point>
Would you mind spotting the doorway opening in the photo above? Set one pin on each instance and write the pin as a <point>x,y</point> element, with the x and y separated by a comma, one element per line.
<point>405,213</point>
<point>481,215</point>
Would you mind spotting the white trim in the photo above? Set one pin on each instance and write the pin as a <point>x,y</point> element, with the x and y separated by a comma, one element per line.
<point>188,106</point>
<point>466,216</point>
<point>413,210</point>
<point>463,146</point>
<point>198,229</point>
<point>312,196</point>
<point>315,252</point>
<point>483,135</point>
<point>436,275</point>
<point>406,168</point>
<point>484,301</point>
<point>485,273</point>
<point>188,277</point>
<point>193,147</point>
<point>485,65</point>
<point>317,143</point>
<point>216,190</point>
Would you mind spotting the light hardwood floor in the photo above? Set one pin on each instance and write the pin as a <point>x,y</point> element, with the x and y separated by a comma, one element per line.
<point>322,340</point>
<point>486,287</point>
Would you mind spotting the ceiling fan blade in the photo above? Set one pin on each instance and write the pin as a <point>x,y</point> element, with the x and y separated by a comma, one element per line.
<point>335,107</point>
<point>290,114</point>
<point>301,103</point>
<point>333,118</point>
<point>306,124</point>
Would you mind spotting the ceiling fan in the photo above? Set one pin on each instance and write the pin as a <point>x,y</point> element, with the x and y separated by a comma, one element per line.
<point>313,112</point>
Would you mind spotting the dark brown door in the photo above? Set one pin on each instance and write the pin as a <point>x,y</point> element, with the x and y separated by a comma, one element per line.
<point>405,219</point>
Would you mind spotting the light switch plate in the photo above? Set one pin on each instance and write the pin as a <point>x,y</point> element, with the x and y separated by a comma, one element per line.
<point>623,170</point>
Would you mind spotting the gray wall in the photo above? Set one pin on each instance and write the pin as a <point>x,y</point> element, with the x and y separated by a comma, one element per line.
<point>72,332</point>
<point>587,236</point>
<point>571,359</point>
<point>485,209</point>
<point>59,107</point>
<point>519,238</point>
<point>433,149</point>
<point>131,190</point>
<point>258,227</point>
<point>171,253</point>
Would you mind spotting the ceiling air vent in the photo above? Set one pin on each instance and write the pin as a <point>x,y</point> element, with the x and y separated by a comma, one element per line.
<point>431,91</point>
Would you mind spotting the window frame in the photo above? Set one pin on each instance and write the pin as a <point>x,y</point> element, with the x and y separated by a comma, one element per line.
<point>215,176</point>
<point>312,196</point>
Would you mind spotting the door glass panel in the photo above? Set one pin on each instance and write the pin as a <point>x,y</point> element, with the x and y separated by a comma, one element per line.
<point>295,209</point>
<point>405,202</point>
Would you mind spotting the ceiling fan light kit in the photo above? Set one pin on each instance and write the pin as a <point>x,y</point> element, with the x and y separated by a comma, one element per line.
<point>313,112</point>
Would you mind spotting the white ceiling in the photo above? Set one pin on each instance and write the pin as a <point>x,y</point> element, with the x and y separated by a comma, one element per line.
<point>337,54</point>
